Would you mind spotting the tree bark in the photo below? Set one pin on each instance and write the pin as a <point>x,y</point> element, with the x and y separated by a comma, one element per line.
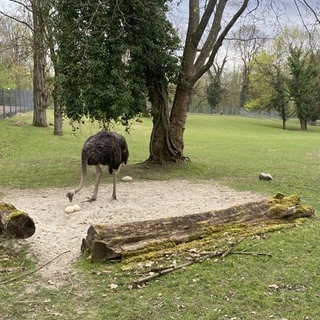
<point>178,116</point>
<point>244,86</point>
<point>303,124</point>
<point>40,93</point>
<point>284,124</point>
<point>58,111</point>
<point>111,242</point>
<point>161,147</point>
<point>15,223</point>
<point>56,91</point>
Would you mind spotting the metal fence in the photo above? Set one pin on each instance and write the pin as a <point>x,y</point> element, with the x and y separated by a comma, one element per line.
<point>236,111</point>
<point>15,101</point>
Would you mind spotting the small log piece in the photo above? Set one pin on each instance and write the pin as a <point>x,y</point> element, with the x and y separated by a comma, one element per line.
<point>15,223</point>
<point>110,242</point>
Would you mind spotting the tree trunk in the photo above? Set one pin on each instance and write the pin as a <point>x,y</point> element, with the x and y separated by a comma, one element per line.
<point>303,124</point>
<point>284,124</point>
<point>112,242</point>
<point>204,31</point>
<point>40,94</point>
<point>58,111</point>
<point>15,223</point>
<point>161,147</point>
<point>178,116</point>
<point>244,86</point>
<point>56,92</point>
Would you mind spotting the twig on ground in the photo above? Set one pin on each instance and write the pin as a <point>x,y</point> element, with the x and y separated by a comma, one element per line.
<point>251,253</point>
<point>201,258</point>
<point>33,271</point>
<point>33,302</point>
<point>161,273</point>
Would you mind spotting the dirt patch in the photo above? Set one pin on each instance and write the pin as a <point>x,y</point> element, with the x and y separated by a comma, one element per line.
<point>59,233</point>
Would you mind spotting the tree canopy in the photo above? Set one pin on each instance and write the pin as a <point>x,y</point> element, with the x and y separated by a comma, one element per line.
<point>290,86</point>
<point>304,84</point>
<point>108,53</point>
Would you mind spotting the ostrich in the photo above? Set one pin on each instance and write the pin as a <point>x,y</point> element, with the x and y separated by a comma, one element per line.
<point>103,148</point>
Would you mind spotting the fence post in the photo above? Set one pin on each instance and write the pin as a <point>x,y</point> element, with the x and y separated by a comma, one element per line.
<point>2,102</point>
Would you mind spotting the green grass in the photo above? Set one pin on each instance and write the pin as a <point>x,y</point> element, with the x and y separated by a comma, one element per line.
<point>230,150</point>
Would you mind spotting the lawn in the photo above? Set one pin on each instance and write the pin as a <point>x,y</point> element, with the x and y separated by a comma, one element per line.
<point>232,151</point>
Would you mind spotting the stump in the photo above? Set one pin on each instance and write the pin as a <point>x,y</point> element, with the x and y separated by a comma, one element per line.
<point>111,242</point>
<point>14,223</point>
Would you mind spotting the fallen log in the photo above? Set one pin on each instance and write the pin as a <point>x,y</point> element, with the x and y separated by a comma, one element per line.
<point>111,242</point>
<point>15,223</point>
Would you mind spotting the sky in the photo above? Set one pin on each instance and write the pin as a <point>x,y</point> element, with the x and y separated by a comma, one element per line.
<point>271,20</point>
<point>282,12</point>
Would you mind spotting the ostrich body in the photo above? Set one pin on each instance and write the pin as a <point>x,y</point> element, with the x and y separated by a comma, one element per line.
<point>103,148</point>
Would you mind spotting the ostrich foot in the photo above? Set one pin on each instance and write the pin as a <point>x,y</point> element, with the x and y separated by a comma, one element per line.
<point>91,199</point>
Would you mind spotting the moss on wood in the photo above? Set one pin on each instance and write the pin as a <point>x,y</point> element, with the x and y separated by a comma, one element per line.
<point>140,241</point>
<point>16,214</point>
<point>15,223</point>
<point>282,206</point>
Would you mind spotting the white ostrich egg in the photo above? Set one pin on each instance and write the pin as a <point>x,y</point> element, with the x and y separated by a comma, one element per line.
<point>69,209</point>
<point>76,207</point>
<point>127,178</point>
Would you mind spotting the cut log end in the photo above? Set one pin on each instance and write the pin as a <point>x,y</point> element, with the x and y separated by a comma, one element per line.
<point>14,223</point>
<point>21,227</point>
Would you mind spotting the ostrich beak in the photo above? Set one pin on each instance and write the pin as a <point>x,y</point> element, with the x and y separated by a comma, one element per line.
<point>70,196</point>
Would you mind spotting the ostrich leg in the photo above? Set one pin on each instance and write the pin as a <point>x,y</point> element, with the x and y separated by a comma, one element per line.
<point>97,183</point>
<point>114,176</point>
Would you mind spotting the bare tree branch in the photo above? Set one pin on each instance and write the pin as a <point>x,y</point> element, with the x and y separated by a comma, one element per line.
<point>247,39</point>
<point>4,14</point>
<point>22,4</point>
<point>212,36</point>
<point>308,6</point>
<point>219,42</point>
<point>300,15</point>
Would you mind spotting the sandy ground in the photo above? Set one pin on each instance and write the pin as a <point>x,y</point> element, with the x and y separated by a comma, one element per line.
<point>59,233</point>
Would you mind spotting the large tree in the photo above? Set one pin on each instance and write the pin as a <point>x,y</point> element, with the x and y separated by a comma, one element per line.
<point>208,26</point>
<point>279,99</point>
<point>152,43</point>
<point>112,58</point>
<point>110,54</point>
<point>269,85</point>
<point>36,25</point>
<point>15,62</point>
<point>304,84</point>
<point>248,41</point>
<point>40,90</point>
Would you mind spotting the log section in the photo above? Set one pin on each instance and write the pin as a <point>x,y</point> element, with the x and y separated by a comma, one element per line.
<point>110,242</point>
<point>14,223</point>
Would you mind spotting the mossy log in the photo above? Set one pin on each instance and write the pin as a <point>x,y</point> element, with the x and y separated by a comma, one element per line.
<point>111,242</point>
<point>15,223</point>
